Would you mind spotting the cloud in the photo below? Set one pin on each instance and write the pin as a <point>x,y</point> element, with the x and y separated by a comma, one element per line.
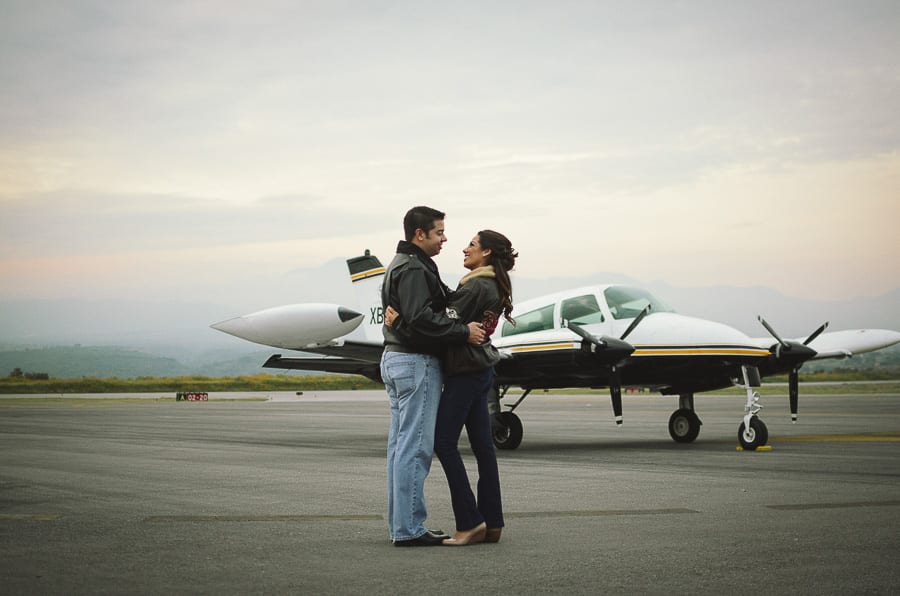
<point>81,223</point>
<point>183,141</point>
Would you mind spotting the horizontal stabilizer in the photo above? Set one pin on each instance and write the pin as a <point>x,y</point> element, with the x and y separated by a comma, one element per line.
<point>348,366</point>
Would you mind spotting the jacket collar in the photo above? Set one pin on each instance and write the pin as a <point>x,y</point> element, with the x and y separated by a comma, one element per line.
<point>486,271</point>
<point>409,248</point>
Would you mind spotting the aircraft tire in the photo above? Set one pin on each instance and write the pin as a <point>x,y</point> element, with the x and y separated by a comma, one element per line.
<point>508,433</point>
<point>756,436</point>
<point>684,425</point>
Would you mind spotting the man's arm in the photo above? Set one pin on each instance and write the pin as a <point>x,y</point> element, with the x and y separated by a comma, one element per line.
<point>410,296</point>
<point>393,319</point>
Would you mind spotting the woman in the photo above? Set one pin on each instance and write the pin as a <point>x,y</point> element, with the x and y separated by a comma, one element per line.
<point>484,294</point>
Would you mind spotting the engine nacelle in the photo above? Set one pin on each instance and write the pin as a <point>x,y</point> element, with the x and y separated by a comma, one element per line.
<point>294,326</point>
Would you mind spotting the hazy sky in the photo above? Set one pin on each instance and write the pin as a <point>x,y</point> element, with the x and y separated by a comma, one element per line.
<point>147,147</point>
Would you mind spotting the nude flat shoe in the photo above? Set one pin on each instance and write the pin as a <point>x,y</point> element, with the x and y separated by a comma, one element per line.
<point>492,535</point>
<point>473,536</point>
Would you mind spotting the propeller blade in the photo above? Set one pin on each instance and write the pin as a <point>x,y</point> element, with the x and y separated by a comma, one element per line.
<point>615,393</point>
<point>816,333</point>
<point>771,331</point>
<point>635,322</point>
<point>794,392</point>
<point>579,331</point>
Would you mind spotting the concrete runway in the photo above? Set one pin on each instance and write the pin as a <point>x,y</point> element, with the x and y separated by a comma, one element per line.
<point>287,496</point>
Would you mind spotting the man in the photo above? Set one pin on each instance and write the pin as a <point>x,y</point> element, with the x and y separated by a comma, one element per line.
<point>411,370</point>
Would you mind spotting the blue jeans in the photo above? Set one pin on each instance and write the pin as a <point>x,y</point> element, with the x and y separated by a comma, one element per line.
<point>464,403</point>
<point>413,383</point>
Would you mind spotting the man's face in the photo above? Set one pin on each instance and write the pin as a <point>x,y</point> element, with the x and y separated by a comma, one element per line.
<point>432,241</point>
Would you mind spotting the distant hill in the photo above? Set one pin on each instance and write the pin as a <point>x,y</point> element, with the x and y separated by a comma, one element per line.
<point>174,337</point>
<point>72,362</point>
<point>78,361</point>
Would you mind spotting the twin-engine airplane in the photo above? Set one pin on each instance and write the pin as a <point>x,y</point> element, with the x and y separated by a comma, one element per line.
<point>599,336</point>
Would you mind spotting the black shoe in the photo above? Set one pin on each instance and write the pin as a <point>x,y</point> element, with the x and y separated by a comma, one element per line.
<point>439,533</point>
<point>426,539</point>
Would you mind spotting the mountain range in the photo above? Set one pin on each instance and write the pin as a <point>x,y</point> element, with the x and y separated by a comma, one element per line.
<point>73,338</point>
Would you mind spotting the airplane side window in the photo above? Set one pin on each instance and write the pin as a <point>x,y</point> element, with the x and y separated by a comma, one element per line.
<point>535,320</point>
<point>627,303</point>
<point>582,310</point>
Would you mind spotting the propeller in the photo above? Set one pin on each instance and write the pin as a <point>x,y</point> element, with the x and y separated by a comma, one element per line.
<point>598,344</point>
<point>615,351</point>
<point>801,352</point>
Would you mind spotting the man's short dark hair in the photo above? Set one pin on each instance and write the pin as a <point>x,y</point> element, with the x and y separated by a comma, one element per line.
<point>420,218</point>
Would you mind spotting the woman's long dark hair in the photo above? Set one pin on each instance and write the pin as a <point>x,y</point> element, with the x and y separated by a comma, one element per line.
<point>503,258</point>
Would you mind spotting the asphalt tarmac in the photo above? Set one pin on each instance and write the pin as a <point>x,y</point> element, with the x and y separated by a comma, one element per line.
<point>287,495</point>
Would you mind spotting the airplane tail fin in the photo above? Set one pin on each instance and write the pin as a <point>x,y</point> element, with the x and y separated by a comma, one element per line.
<point>367,275</point>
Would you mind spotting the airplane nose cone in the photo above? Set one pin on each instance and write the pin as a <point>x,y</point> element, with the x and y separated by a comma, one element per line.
<point>795,352</point>
<point>345,314</point>
<point>806,351</point>
<point>239,327</point>
<point>616,349</point>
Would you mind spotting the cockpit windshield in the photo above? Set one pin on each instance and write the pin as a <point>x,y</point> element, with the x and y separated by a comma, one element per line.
<point>627,303</point>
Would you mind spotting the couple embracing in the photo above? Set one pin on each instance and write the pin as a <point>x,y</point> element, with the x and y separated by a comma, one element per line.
<point>437,368</point>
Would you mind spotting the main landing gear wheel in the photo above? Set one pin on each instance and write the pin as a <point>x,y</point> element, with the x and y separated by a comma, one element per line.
<point>755,436</point>
<point>684,425</point>
<point>508,433</point>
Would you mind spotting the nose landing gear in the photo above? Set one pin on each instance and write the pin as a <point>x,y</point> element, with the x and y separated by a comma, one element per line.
<point>752,433</point>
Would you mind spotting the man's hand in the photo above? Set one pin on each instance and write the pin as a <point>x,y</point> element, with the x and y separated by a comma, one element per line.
<point>389,315</point>
<point>476,333</point>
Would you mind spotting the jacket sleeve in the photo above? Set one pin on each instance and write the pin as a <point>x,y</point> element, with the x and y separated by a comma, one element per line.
<point>417,310</point>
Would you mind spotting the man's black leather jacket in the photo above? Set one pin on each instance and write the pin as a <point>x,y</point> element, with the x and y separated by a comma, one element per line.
<point>413,286</point>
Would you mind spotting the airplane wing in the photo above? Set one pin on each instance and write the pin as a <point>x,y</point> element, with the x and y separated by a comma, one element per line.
<point>369,370</point>
<point>841,344</point>
<point>347,357</point>
<point>365,351</point>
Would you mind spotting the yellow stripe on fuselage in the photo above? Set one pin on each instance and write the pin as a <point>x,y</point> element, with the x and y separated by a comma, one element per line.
<point>698,351</point>
<point>367,274</point>
<point>651,351</point>
<point>545,347</point>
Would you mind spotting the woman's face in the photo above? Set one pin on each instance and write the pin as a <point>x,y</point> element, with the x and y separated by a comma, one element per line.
<point>474,256</point>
